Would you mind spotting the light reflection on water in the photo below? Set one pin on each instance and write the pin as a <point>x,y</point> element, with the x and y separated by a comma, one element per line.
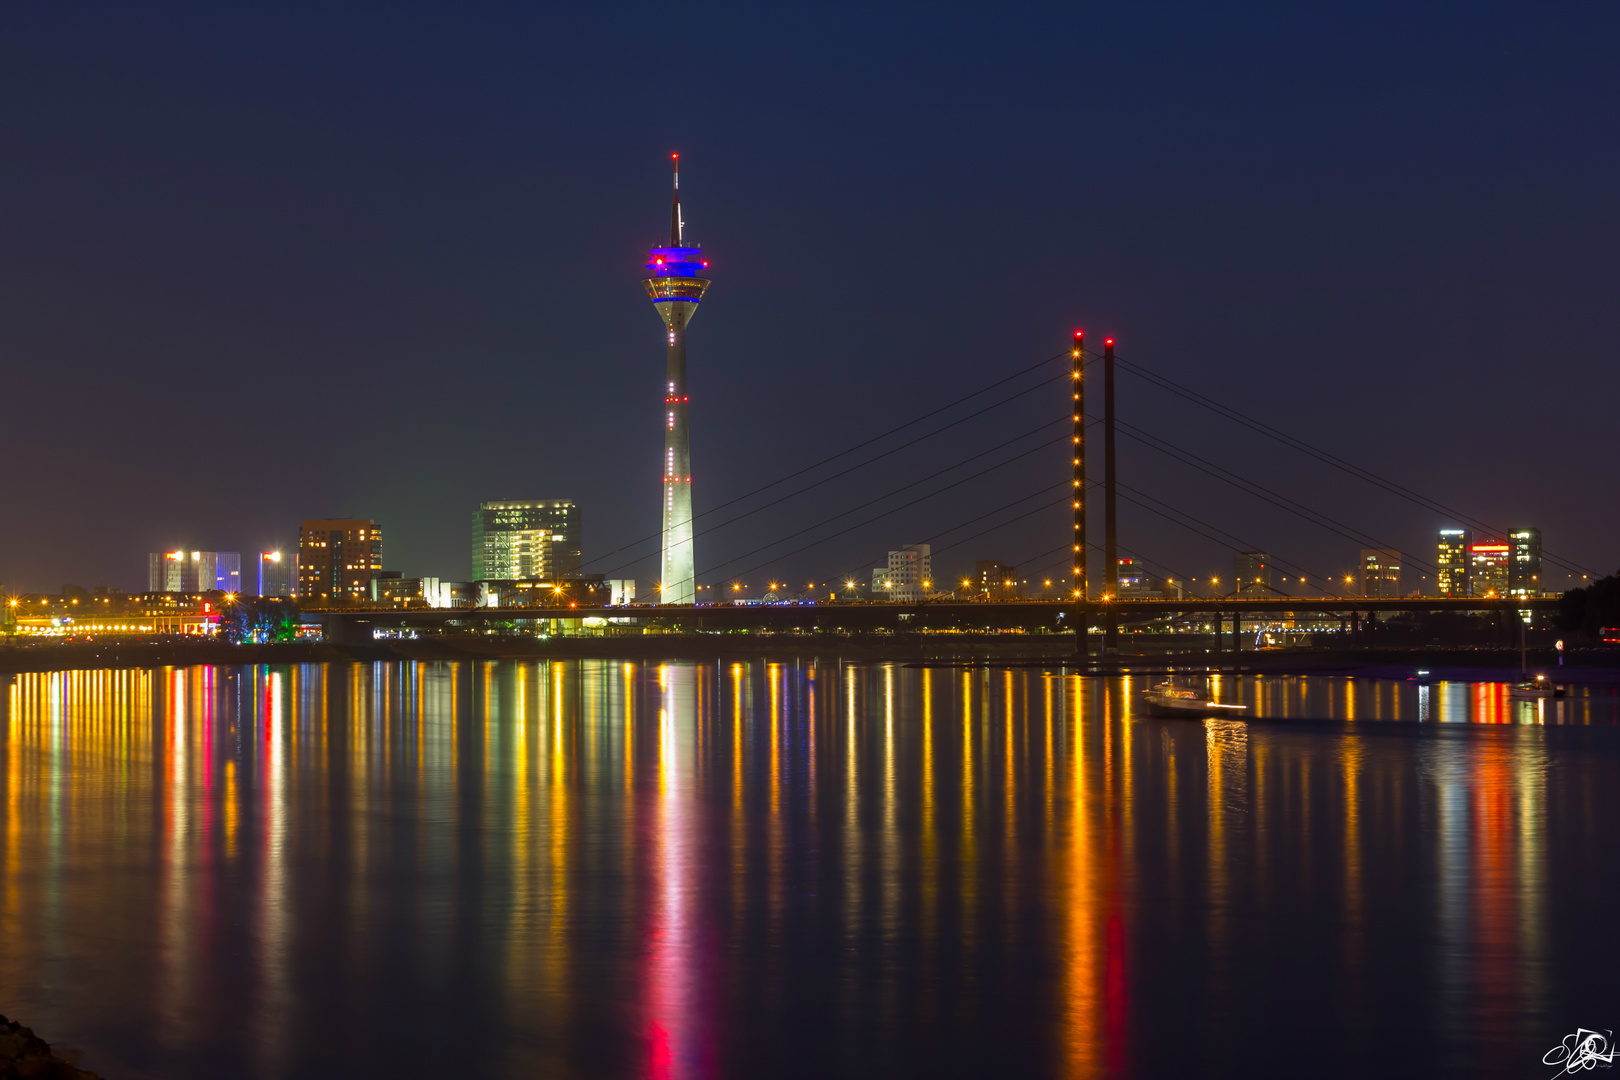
<point>602,868</point>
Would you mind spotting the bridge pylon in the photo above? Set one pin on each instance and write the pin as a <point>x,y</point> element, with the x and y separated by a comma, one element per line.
<point>1077,366</point>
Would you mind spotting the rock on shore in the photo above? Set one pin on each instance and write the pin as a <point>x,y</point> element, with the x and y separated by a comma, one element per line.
<point>24,1054</point>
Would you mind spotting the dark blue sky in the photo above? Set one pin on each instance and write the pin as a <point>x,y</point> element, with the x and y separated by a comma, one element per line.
<point>256,267</point>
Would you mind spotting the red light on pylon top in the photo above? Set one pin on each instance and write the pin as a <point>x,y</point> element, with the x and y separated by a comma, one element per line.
<point>1079,335</point>
<point>1108,341</point>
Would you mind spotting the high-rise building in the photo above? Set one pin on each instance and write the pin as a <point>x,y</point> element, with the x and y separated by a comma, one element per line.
<point>515,540</point>
<point>1524,571</point>
<point>676,285</point>
<point>1252,572</point>
<point>337,558</point>
<point>194,571</point>
<point>1451,563</point>
<point>227,571</point>
<point>1135,583</point>
<point>278,573</point>
<point>166,572</point>
<point>995,579</point>
<point>1488,559</point>
<point>910,573</point>
<point>1380,572</point>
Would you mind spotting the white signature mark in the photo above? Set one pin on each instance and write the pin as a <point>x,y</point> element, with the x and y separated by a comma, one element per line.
<point>1586,1049</point>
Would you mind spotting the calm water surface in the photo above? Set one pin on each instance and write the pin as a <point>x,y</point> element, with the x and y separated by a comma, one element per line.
<point>597,868</point>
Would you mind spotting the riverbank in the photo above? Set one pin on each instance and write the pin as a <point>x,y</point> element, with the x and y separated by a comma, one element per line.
<point>1589,665</point>
<point>24,1054</point>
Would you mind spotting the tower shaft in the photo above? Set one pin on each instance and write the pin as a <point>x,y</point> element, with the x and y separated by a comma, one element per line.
<point>679,570</point>
<point>676,287</point>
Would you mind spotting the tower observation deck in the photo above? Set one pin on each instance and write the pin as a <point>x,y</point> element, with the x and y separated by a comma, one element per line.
<point>676,285</point>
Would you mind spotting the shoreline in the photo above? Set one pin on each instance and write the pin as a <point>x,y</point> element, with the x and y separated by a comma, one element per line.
<point>1585,666</point>
<point>23,1053</point>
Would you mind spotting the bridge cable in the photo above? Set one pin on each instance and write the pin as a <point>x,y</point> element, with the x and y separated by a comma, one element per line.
<point>1294,443</point>
<point>867,442</point>
<point>1006,506</point>
<point>889,494</point>
<point>1258,490</point>
<point>892,510</point>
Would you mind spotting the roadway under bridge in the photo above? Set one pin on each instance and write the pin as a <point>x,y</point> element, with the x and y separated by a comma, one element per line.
<point>358,625</point>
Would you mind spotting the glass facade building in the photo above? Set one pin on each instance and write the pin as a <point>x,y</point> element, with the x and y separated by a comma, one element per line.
<point>1451,563</point>
<point>1524,571</point>
<point>516,540</point>
<point>193,571</point>
<point>1380,572</point>
<point>278,573</point>
<point>1488,566</point>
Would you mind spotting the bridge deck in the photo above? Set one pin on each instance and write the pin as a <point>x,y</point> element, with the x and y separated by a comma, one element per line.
<point>1018,610</point>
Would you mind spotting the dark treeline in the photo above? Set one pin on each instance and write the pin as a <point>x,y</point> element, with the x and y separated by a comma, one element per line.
<point>1590,610</point>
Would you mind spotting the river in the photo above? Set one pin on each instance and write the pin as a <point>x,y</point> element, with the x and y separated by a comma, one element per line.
<point>598,868</point>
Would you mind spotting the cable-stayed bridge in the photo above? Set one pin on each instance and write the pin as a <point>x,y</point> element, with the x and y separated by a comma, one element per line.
<point>1081,598</point>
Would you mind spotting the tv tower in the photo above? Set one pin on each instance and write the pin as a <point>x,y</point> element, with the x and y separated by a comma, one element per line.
<point>676,286</point>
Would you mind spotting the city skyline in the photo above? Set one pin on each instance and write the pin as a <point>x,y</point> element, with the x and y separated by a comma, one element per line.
<point>541,540</point>
<point>556,323</point>
<point>969,702</point>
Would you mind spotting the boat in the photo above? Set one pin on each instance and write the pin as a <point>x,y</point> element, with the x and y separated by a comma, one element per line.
<point>1171,701</point>
<point>1536,689</point>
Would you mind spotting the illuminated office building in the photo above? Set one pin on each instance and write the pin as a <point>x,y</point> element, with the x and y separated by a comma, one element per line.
<point>1488,561</point>
<point>170,571</point>
<point>1524,569</point>
<point>226,570</point>
<point>389,589</point>
<point>995,579</point>
<point>278,573</point>
<point>910,574</point>
<point>516,540</point>
<point>1135,583</point>
<point>676,285</point>
<point>193,571</point>
<point>1380,572</point>
<point>1252,572</point>
<point>337,558</point>
<point>1451,563</point>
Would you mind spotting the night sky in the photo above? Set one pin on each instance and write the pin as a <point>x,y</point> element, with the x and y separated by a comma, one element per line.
<point>262,266</point>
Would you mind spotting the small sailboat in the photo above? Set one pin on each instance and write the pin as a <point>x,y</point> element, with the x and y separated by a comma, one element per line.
<point>1170,701</point>
<point>1535,690</point>
<point>1530,689</point>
